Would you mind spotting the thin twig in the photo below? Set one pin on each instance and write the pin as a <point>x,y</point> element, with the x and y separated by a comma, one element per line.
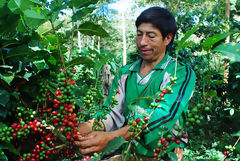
<point>60,51</point>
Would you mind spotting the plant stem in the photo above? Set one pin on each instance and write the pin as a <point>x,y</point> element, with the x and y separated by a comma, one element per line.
<point>129,147</point>
<point>60,51</point>
<point>175,74</point>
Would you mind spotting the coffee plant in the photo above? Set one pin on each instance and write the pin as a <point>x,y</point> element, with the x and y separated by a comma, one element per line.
<point>49,84</point>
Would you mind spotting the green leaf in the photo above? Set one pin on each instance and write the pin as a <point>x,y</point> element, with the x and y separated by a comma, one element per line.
<point>85,3</point>
<point>51,60</point>
<point>2,125</point>
<point>236,134</point>
<point>34,18</point>
<point>3,157</point>
<point>113,145</point>
<point>209,42</point>
<point>46,27</point>
<point>188,44</point>
<point>10,147</point>
<point>211,93</point>
<point>216,82</point>
<point>172,156</point>
<point>59,134</point>
<point>91,29</point>
<point>4,97</point>
<point>6,66</point>
<point>33,14</point>
<point>41,65</point>
<point>35,1</point>
<point>80,60</point>
<point>20,26</point>
<point>183,42</point>
<point>14,5</point>
<point>35,45</point>
<point>27,76</point>
<point>7,77</point>
<point>81,13</point>
<point>18,52</point>
<point>232,50</point>
<point>2,3</point>
<point>3,112</point>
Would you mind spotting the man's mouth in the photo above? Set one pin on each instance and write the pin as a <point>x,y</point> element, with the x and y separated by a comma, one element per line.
<point>145,51</point>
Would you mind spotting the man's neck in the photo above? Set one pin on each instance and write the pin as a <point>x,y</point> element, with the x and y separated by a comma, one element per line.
<point>147,66</point>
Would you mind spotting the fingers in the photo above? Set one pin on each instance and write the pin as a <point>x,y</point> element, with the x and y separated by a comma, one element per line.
<point>87,137</point>
<point>86,142</point>
<point>92,149</point>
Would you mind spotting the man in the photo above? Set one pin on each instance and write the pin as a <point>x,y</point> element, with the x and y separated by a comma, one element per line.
<point>156,28</point>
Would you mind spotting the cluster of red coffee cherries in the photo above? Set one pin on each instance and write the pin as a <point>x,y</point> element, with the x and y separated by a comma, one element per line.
<point>53,123</point>
<point>165,142</point>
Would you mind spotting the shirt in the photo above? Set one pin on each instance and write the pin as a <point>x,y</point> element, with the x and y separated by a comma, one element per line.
<point>132,85</point>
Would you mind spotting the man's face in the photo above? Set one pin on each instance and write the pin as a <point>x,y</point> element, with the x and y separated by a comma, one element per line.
<point>150,42</point>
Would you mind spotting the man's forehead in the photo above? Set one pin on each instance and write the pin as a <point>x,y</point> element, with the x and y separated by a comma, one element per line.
<point>147,27</point>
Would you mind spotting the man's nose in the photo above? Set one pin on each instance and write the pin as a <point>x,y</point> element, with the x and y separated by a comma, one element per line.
<point>144,41</point>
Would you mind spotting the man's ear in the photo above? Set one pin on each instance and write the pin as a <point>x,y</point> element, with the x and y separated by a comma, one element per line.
<point>168,39</point>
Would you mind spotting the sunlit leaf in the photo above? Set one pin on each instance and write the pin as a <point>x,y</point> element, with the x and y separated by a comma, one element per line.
<point>46,27</point>
<point>232,50</point>
<point>209,42</point>
<point>236,134</point>
<point>33,18</point>
<point>6,66</point>
<point>41,64</point>
<point>7,77</point>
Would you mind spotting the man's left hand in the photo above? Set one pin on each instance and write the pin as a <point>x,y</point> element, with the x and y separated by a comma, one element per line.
<point>95,141</point>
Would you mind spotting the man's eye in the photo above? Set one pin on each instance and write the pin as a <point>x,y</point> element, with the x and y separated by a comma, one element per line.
<point>151,36</point>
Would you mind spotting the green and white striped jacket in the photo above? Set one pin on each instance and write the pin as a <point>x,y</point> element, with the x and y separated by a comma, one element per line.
<point>132,86</point>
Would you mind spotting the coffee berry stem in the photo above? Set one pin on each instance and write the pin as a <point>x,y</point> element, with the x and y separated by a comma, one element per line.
<point>232,147</point>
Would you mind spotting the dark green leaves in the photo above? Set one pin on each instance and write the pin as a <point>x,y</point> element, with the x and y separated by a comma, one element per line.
<point>91,29</point>
<point>232,50</point>
<point>10,147</point>
<point>113,145</point>
<point>81,13</point>
<point>85,3</point>
<point>4,97</point>
<point>80,60</point>
<point>18,52</point>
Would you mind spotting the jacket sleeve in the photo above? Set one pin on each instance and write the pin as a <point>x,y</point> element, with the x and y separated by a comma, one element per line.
<point>115,119</point>
<point>176,103</point>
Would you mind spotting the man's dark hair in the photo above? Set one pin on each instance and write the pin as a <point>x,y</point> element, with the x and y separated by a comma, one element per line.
<point>160,18</point>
